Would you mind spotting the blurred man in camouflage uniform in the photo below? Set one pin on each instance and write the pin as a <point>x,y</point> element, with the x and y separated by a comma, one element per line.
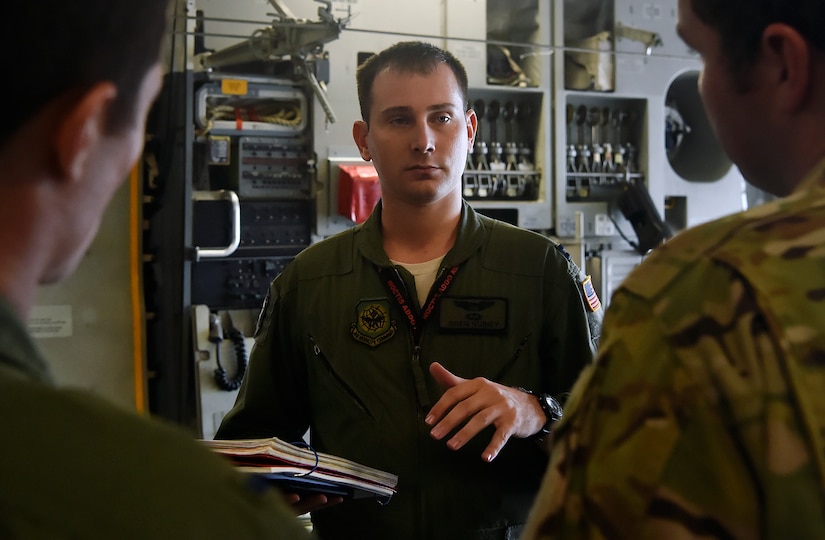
<point>704,415</point>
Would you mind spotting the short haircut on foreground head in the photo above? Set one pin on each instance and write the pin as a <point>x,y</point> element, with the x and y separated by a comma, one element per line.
<point>740,24</point>
<point>59,47</point>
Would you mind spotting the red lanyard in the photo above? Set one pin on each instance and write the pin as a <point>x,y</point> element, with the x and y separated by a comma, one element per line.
<point>398,291</point>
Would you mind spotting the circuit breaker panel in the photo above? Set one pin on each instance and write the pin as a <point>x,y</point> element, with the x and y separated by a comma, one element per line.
<point>253,138</point>
<point>228,193</point>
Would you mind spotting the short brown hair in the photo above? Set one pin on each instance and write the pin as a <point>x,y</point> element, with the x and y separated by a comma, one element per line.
<point>409,56</point>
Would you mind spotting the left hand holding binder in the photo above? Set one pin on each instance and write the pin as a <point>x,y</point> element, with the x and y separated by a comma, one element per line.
<point>311,502</point>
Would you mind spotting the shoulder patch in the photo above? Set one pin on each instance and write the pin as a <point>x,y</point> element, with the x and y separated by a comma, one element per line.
<point>590,295</point>
<point>564,252</point>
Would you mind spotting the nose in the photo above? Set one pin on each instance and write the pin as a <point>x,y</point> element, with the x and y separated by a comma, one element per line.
<point>424,139</point>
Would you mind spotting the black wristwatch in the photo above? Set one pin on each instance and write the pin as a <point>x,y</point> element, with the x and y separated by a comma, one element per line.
<point>551,408</point>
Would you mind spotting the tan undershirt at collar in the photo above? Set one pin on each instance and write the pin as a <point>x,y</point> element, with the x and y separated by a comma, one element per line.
<point>424,274</point>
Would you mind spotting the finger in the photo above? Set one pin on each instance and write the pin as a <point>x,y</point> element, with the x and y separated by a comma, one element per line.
<point>474,427</point>
<point>502,417</point>
<point>307,503</point>
<point>332,500</point>
<point>451,398</point>
<point>456,408</point>
<point>443,376</point>
<point>476,422</point>
<point>315,502</point>
<point>500,438</point>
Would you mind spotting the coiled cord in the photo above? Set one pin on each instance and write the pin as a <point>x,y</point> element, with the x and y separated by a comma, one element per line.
<point>222,378</point>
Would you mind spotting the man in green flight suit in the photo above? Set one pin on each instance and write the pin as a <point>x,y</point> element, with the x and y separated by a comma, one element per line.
<point>408,343</point>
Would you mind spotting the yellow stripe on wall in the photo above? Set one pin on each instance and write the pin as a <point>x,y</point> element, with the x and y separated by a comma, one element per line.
<point>136,288</point>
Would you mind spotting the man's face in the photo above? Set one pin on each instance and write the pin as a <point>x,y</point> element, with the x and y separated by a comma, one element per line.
<point>737,115</point>
<point>419,135</point>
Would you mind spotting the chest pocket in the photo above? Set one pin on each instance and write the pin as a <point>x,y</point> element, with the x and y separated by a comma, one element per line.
<point>330,377</point>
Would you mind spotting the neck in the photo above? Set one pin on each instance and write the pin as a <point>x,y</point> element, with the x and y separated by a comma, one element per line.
<point>18,277</point>
<point>415,234</point>
<point>28,245</point>
<point>797,161</point>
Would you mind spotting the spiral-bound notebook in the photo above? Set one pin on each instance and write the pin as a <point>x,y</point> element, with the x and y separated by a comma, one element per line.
<point>300,469</point>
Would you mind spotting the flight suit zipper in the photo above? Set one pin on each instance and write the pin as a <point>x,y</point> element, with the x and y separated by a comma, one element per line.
<point>506,367</point>
<point>342,384</point>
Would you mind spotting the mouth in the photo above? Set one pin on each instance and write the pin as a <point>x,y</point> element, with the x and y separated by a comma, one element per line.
<point>422,168</point>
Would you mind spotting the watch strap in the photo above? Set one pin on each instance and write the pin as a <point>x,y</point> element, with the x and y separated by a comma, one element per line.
<point>550,407</point>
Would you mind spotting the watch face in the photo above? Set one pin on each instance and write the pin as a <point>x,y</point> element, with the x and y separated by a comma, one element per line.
<point>551,407</point>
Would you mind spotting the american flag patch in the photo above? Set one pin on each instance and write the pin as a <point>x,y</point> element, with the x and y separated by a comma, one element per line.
<point>590,295</point>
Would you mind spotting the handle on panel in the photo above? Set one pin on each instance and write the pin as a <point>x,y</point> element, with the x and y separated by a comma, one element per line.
<point>232,197</point>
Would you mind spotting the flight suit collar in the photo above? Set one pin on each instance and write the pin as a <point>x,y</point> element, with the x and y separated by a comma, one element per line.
<point>18,353</point>
<point>472,231</point>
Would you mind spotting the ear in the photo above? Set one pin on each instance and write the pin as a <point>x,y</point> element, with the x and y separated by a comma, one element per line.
<point>788,54</point>
<point>472,128</point>
<point>360,129</point>
<point>81,128</point>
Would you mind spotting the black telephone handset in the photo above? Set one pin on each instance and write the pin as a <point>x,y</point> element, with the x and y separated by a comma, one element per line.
<point>638,208</point>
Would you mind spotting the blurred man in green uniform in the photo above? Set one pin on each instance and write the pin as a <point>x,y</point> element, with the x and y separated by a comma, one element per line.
<point>81,76</point>
<point>704,415</point>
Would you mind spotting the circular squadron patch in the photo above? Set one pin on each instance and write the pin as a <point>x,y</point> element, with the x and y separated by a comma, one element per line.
<point>373,325</point>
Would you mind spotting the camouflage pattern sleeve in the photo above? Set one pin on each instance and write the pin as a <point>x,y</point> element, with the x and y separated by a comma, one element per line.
<point>683,428</point>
